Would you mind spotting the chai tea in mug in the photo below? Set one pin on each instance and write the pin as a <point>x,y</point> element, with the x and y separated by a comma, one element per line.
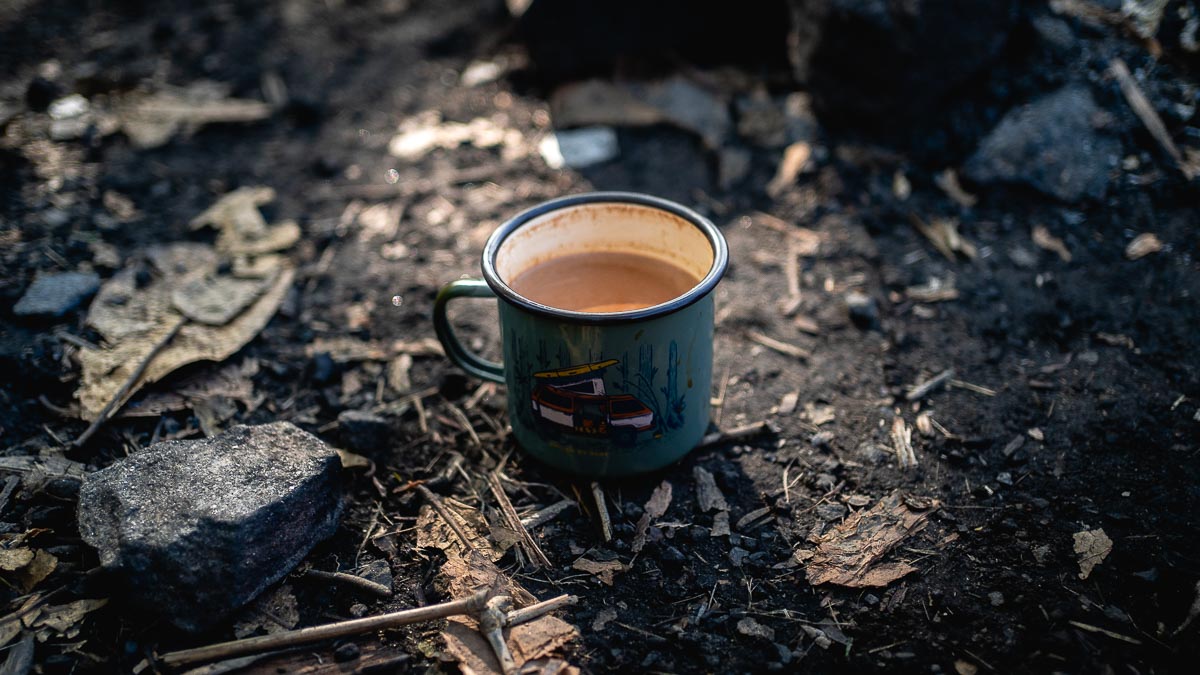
<point>603,281</point>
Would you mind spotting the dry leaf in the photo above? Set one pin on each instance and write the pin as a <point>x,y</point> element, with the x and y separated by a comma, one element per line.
<point>133,319</point>
<point>1143,245</point>
<point>243,230</point>
<point>849,554</point>
<point>36,571</point>
<point>603,570</point>
<point>1092,547</point>
<point>1044,240</point>
<point>231,382</point>
<point>61,618</point>
<point>151,121</point>
<point>660,501</point>
<point>13,559</point>
<point>603,617</point>
<point>351,460</point>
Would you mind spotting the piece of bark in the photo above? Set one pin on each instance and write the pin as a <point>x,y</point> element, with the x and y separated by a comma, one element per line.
<point>850,553</point>
<point>660,501</point>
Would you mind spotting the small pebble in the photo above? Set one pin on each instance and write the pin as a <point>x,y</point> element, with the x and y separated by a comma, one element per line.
<point>346,652</point>
<point>864,311</point>
<point>996,598</point>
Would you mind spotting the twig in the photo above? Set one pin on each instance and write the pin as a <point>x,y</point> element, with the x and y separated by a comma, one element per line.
<point>539,608</point>
<point>920,390</point>
<point>462,418</point>
<point>736,434</point>
<point>602,507</point>
<point>543,516</point>
<point>438,506</point>
<point>353,580</point>
<point>119,397</point>
<point>902,443</point>
<point>469,606</point>
<point>534,551</point>
<point>491,623</point>
<point>784,348</point>
<point>1104,631</point>
<point>1148,115</point>
<point>971,387</point>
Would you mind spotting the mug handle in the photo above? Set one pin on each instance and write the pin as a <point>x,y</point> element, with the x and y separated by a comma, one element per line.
<point>455,351</point>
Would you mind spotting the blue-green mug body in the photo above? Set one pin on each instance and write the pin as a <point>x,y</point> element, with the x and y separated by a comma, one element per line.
<point>600,394</point>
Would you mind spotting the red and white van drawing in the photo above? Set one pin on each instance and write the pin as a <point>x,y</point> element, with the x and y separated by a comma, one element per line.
<point>573,400</point>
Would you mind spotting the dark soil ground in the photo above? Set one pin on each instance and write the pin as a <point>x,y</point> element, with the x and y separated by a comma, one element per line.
<point>1093,362</point>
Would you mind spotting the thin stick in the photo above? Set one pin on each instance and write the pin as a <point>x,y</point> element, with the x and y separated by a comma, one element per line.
<point>784,348</point>
<point>736,434</point>
<point>1148,115</point>
<point>119,397</point>
<point>539,608</point>
<point>352,580</point>
<point>438,506</point>
<point>602,507</point>
<point>462,418</point>
<point>468,606</point>
<point>543,516</point>
<point>514,522</point>
<point>972,387</point>
<point>920,390</point>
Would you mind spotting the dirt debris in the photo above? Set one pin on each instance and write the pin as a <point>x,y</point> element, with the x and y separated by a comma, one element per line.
<point>1092,547</point>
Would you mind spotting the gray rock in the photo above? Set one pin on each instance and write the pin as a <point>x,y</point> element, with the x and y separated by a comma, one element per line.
<point>875,62</point>
<point>1051,145</point>
<point>57,294</point>
<point>196,529</point>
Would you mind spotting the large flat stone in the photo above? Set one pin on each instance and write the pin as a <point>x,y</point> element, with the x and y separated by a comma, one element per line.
<point>196,529</point>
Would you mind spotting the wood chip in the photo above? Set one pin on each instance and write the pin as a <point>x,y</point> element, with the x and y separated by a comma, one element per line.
<point>850,553</point>
<point>943,234</point>
<point>1143,245</point>
<point>948,182</point>
<point>1046,241</point>
<point>1149,116</point>
<point>902,443</point>
<point>708,495</point>
<point>659,502</point>
<point>787,404</point>
<point>795,160</point>
<point>1092,547</point>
